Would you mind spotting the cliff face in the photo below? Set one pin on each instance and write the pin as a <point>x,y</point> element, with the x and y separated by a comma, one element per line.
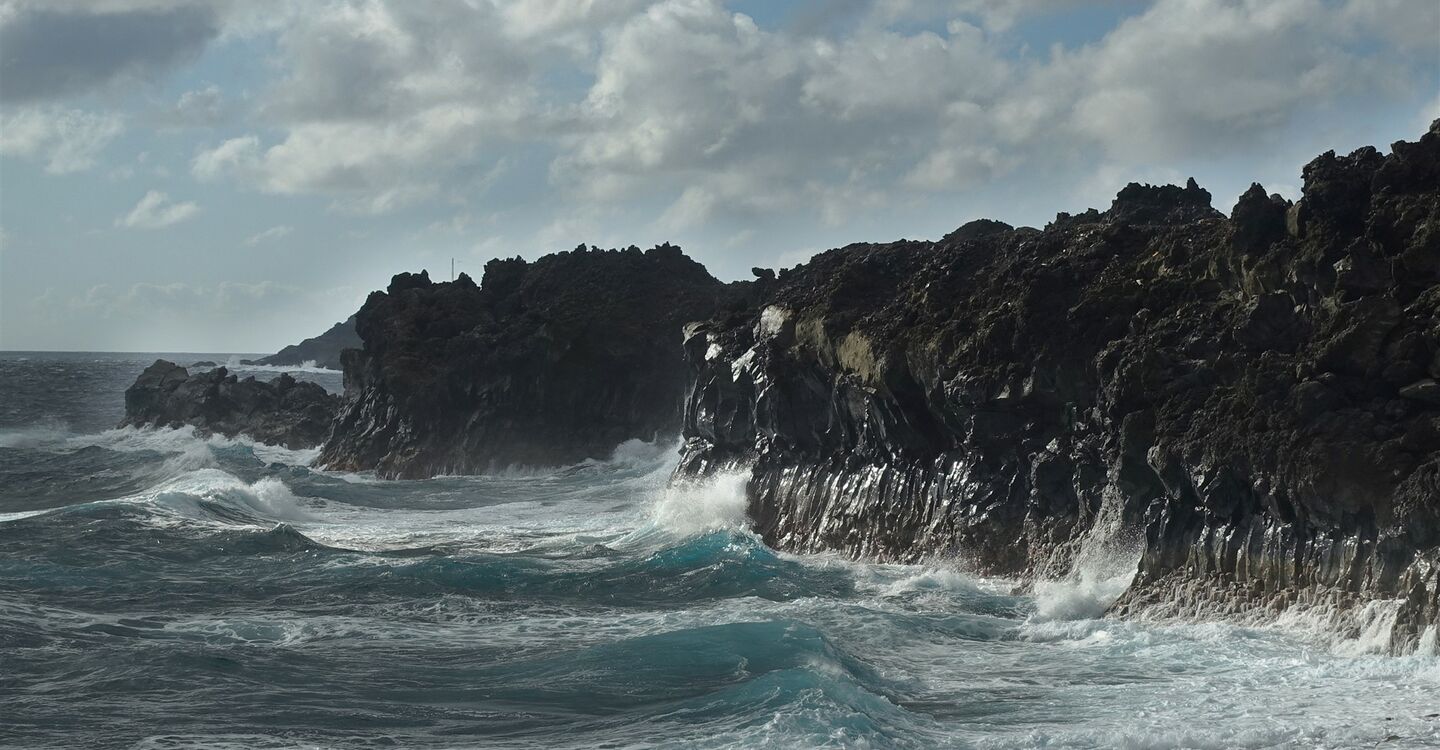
<point>543,363</point>
<point>1253,400</point>
<point>324,350</point>
<point>283,411</point>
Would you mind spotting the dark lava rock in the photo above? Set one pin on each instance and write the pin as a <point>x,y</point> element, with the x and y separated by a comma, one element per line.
<point>1245,395</point>
<point>543,363</point>
<point>204,363</point>
<point>283,411</point>
<point>323,350</point>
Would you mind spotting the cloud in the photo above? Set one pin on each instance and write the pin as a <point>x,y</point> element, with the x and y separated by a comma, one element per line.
<point>994,15</point>
<point>691,115</point>
<point>155,211</point>
<point>52,52</point>
<point>198,108</point>
<point>1205,75</point>
<point>273,233</point>
<point>237,156</point>
<point>384,104</point>
<point>67,140</point>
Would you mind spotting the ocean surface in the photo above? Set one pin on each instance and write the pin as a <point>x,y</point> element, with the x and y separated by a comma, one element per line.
<point>160,590</point>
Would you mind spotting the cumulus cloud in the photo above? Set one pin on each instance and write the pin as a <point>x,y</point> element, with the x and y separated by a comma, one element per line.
<point>1206,75</point>
<point>701,115</point>
<point>67,140</point>
<point>382,104</point>
<point>53,51</point>
<point>156,211</point>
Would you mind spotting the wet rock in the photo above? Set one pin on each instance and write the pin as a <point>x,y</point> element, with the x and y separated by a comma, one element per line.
<point>283,411</point>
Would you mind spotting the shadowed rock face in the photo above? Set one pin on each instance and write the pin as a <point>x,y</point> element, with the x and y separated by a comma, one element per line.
<point>544,363</point>
<point>324,350</point>
<point>283,411</point>
<point>1253,397</point>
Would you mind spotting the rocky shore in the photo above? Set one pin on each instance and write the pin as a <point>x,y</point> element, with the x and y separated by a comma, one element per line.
<point>541,364</point>
<point>1247,404</point>
<point>1245,409</point>
<point>283,411</point>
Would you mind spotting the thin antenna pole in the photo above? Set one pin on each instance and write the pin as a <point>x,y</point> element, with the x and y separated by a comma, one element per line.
<point>452,269</point>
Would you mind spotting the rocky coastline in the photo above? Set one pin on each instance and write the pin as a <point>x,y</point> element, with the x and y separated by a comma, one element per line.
<point>1242,410</point>
<point>1247,405</point>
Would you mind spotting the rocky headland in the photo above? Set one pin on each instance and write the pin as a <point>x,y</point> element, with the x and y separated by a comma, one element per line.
<point>323,350</point>
<point>1249,405</point>
<point>282,411</point>
<point>543,363</point>
<point>1241,410</point>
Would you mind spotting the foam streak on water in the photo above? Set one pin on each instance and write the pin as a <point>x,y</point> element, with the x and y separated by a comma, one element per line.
<point>160,590</point>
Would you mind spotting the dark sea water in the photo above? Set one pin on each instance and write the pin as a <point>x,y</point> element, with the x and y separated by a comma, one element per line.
<point>159,590</point>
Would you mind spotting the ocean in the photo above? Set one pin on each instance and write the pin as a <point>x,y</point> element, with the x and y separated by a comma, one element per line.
<point>163,590</point>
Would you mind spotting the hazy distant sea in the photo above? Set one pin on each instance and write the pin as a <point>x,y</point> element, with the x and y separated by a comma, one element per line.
<point>159,590</point>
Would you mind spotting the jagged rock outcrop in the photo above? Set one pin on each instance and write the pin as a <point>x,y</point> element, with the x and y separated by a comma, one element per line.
<point>543,363</point>
<point>283,411</point>
<point>1254,397</point>
<point>323,350</point>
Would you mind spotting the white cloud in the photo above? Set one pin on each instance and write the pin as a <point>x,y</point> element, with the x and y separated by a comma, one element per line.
<point>155,211</point>
<point>385,104</point>
<point>699,116</point>
<point>67,140</point>
<point>236,156</point>
<point>269,235</point>
<point>1203,75</point>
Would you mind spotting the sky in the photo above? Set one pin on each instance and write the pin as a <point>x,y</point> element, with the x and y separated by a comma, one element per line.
<point>235,175</point>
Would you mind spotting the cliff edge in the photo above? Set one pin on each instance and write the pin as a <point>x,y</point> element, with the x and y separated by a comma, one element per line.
<point>1247,405</point>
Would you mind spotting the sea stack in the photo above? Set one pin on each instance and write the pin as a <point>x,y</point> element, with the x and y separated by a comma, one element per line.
<point>543,363</point>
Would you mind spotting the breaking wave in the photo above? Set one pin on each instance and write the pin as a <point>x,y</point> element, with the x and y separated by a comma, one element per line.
<point>159,589</point>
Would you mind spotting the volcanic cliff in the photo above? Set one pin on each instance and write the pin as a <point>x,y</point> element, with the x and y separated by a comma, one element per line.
<point>542,364</point>
<point>1255,398</point>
